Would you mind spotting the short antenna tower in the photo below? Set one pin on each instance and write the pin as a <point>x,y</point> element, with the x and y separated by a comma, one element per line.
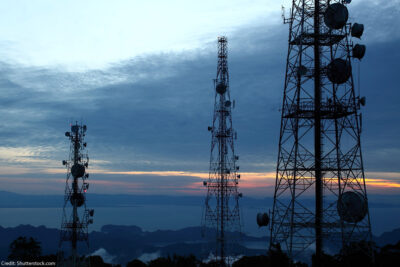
<point>76,217</point>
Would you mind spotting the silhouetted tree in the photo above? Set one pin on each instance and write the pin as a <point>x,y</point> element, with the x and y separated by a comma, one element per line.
<point>277,257</point>
<point>136,263</point>
<point>327,260</point>
<point>245,261</point>
<point>97,261</point>
<point>189,261</point>
<point>161,262</point>
<point>211,264</point>
<point>355,255</point>
<point>24,249</point>
<point>388,256</point>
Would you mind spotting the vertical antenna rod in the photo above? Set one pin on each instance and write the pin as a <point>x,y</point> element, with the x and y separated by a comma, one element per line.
<point>317,138</point>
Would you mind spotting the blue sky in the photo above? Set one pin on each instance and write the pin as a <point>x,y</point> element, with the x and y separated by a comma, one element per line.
<point>140,76</point>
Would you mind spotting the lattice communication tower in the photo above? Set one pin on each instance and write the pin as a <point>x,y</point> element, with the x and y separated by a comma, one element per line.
<point>221,219</point>
<point>319,147</point>
<point>76,217</point>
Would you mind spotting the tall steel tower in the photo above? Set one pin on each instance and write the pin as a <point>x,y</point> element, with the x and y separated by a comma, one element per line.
<point>319,146</point>
<point>76,217</point>
<point>222,202</point>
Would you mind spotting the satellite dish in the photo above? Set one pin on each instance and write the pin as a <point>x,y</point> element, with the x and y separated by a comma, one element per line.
<point>339,71</point>
<point>357,30</point>
<point>262,219</point>
<point>78,198</point>
<point>359,51</point>
<point>221,88</point>
<point>77,170</point>
<point>352,207</point>
<point>228,104</point>
<point>336,16</point>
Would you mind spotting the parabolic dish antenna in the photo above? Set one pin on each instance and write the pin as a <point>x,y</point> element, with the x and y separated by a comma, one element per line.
<point>359,51</point>
<point>221,88</point>
<point>77,170</point>
<point>262,219</point>
<point>339,71</point>
<point>336,16</point>
<point>352,207</point>
<point>357,30</point>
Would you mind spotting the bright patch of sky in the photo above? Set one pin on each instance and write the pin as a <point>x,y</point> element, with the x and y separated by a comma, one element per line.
<point>80,35</point>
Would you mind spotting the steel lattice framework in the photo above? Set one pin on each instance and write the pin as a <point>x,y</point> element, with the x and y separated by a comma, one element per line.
<point>319,145</point>
<point>76,217</point>
<point>222,212</point>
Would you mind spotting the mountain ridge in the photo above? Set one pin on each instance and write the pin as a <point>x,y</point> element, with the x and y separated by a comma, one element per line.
<point>127,242</point>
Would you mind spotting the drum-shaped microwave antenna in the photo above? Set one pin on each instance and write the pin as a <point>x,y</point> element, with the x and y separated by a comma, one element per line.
<point>339,71</point>
<point>359,51</point>
<point>336,16</point>
<point>357,30</point>
<point>262,219</point>
<point>221,88</point>
<point>77,170</point>
<point>352,207</point>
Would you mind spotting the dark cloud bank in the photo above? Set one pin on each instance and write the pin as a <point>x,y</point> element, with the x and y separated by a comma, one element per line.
<point>152,112</point>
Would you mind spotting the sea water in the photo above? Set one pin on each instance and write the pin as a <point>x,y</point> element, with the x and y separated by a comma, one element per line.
<point>167,217</point>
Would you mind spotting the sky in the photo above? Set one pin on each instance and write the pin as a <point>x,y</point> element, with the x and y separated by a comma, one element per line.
<point>139,74</point>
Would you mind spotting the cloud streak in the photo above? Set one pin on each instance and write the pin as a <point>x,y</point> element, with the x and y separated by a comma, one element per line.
<point>147,116</point>
<point>168,182</point>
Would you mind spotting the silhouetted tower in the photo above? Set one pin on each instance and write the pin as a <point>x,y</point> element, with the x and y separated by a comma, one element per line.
<point>222,202</point>
<point>319,145</point>
<point>76,217</point>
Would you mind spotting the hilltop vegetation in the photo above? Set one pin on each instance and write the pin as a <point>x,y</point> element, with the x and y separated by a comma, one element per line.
<point>29,249</point>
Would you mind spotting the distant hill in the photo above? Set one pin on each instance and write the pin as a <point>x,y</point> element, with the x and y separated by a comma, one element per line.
<point>391,237</point>
<point>13,200</point>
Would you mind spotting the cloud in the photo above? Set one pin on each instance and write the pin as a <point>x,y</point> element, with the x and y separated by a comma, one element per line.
<point>150,113</point>
<point>108,258</point>
<point>147,257</point>
<point>52,181</point>
<point>96,33</point>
